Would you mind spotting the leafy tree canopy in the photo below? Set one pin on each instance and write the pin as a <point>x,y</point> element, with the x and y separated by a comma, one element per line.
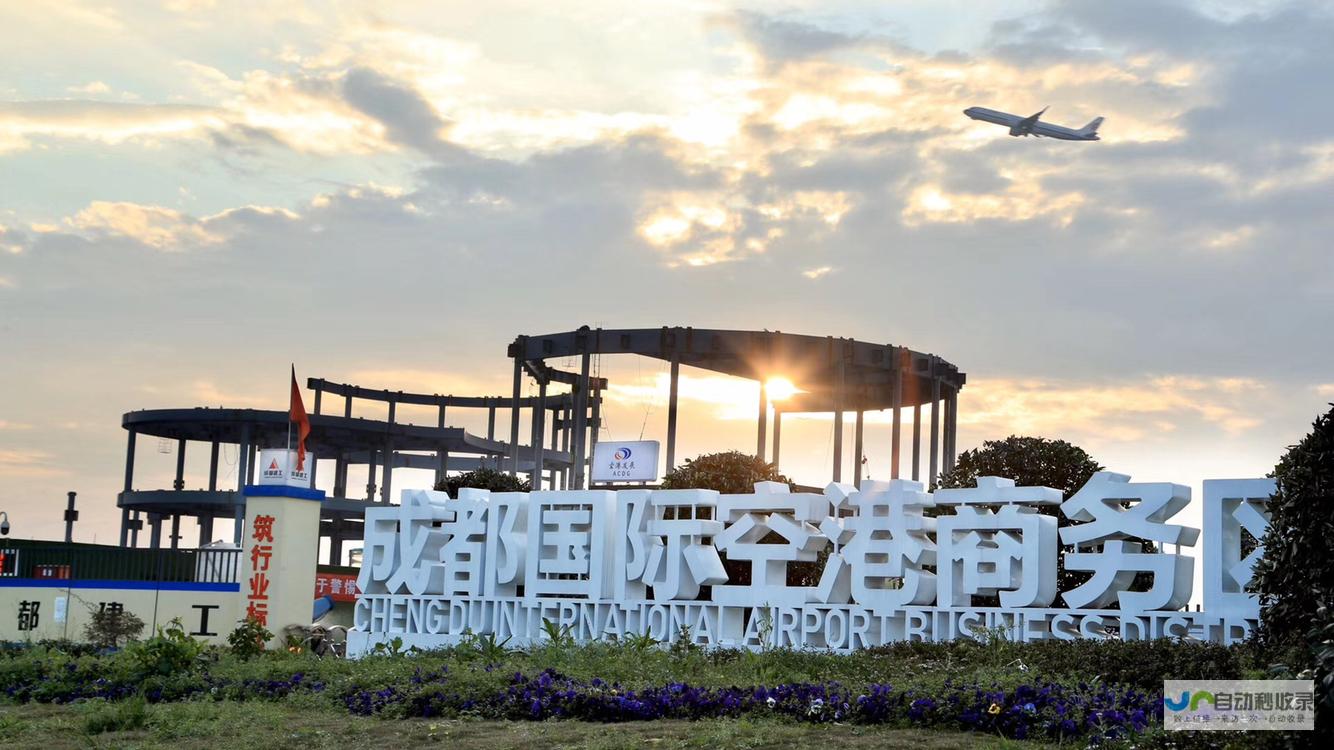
<point>730,473</point>
<point>1029,461</point>
<point>485,479</point>
<point>1295,578</point>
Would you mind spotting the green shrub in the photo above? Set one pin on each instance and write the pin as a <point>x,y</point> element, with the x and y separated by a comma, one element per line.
<point>248,639</point>
<point>108,628</point>
<point>169,652</point>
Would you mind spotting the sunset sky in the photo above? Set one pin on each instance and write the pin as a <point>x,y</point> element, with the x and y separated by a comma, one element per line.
<point>194,194</point>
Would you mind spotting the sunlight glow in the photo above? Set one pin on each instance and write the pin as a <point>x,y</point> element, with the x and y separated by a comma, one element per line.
<point>780,389</point>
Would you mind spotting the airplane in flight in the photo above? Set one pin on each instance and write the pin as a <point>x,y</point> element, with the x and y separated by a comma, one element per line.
<point>1031,125</point>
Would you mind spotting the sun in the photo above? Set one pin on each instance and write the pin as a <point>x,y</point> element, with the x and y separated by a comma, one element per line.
<point>780,389</point>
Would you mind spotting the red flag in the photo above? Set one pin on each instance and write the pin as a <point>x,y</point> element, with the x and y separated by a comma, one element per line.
<point>297,413</point>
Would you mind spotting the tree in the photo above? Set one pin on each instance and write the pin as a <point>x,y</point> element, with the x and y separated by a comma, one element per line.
<point>1034,462</point>
<point>1295,577</point>
<point>111,627</point>
<point>730,473</point>
<point>1029,461</point>
<point>485,479</point>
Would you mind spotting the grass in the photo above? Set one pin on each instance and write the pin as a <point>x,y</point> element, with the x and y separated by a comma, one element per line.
<point>304,724</point>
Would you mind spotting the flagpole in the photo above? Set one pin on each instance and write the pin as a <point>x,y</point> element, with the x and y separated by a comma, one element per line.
<point>288,457</point>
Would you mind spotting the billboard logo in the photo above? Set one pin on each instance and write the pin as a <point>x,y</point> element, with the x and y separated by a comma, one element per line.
<point>622,453</point>
<point>1203,705</point>
<point>1189,700</point>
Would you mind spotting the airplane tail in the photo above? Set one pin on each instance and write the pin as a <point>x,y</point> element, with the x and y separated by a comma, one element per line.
<point>1092,127</point>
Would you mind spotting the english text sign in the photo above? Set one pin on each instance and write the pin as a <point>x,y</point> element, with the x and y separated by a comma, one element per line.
<point>884,563</point>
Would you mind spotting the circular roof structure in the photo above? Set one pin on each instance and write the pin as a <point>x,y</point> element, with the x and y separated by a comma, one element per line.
<point>824,369</point>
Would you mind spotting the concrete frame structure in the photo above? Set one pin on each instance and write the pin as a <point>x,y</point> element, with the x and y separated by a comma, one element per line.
<point>380,445</point>
<point>835,375</point>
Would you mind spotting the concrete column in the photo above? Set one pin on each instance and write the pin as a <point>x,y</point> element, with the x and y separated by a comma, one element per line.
<point>565,446</point>
<point>952,451</point>
<point>581,421</point>
<point>205,530</point>
<point>552,473</point>
<point>314,461</point>
<point>935,431</point>
<point>839,382</point>
<point>539,436</point>
<point>944,429</point>
<point>762,421</point>
<point>778,434</point>
<point>242,469</point>
<point>896,421</point>
<point>155,537</point>
<point>387,483</point>
<point>917,442</point>
<point>514,417</point>
<point>179,483</point>
<point>596,427</point>
<point>370,476</point>
<point>340,468</point>
<point>336,545</point>
<point>128,487</point>
<point>340,475</point>
<point>175,531</point>
<point>859,448</point>
<point>672,387</point>
<point>443,469</point>
<point>213,467</point>
<point>491,422</point>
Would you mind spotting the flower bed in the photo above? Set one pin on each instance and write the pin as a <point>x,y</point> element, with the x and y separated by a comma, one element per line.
<point>1089,692</point>
<point>1042,710</point>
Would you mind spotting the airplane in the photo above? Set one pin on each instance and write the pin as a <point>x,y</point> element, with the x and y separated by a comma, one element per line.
<point>1031,125</point>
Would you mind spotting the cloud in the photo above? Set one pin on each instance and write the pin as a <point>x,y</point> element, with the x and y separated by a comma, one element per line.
<point>408,119</point>
<point>157,227</point>
<point>29,464</point>
<point>1141,410</point>
<point>90,88</point>
<point>105,122</point>
<point>782,40</point>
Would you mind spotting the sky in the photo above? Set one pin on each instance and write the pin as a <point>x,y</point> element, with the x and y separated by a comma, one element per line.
<point>194,194</point>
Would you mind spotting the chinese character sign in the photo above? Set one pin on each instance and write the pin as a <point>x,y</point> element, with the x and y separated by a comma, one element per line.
<point>848,568</point>
<point>261,553</point>
<point>29,615</point>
